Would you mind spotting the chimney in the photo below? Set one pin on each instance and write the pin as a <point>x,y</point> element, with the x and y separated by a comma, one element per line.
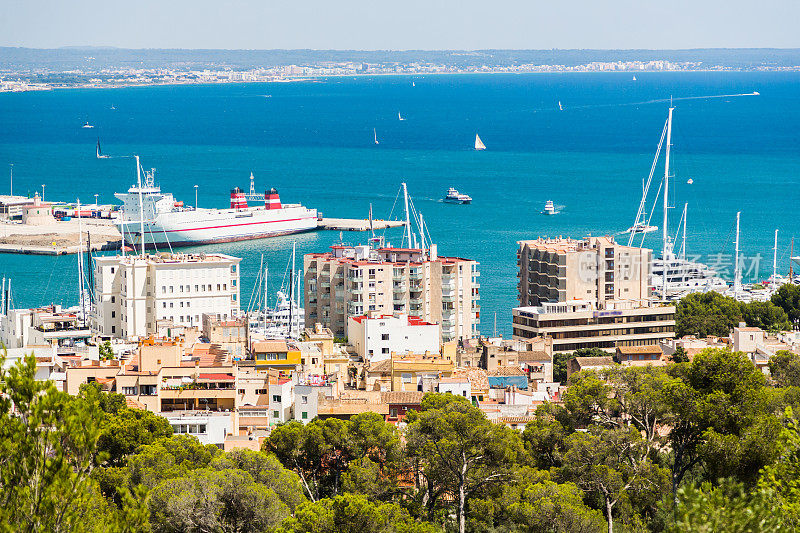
<point>238,200</point>
<point>271,199</point>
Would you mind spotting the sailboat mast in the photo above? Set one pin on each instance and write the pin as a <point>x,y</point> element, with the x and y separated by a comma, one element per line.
<point>408,221</point>
<point>685,210</point>
<point>141,201</point>
<point>736,274</point>
<point>291,291</point>
<point>665,249</point>
<point>775,260</point>
<point>422,233</point>
<point>80,264</point>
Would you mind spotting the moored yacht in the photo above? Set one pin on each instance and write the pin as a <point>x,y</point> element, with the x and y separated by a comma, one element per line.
<point>549,208</point>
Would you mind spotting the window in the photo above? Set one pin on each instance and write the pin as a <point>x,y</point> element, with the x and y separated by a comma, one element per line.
<point>170,305</point>
<point>113,329</point>
<point>384,350</point>
<point>163,288</point>
<point>385,337</point>
<point>129,391</point>
<point>305,415</point>
<point>304,399</point>
<point>276,398</point>
<point>165,305</point>
<point>261,391</point>
<point>112,299</point>
<point>276,414</point>
<point>241,391</point>
<point>406,378</point>
<point>113,314</point>
<point>393,412</point>
<point>112,270</point>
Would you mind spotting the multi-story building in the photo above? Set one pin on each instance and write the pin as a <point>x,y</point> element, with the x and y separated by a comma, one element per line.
<point>133,293</point>
<point>230,334</point>
<point>589,293</point>
<point>375,337</point>
<point>595,269</point>
<point>580,324</point>
<point>354,280</point>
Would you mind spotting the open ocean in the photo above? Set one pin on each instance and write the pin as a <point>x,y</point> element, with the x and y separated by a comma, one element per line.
<point>313,141</point>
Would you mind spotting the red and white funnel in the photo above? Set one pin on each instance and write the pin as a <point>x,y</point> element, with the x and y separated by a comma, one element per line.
<point>238,199</point>
<point>272,200</point>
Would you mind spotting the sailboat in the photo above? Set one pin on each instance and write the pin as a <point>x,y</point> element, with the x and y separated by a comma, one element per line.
<point>672,275</point>
<point>479,143</point>
<point>100,154</point>
<point>560,107</point>
<point>634,78</point>
<point>375,134</point>
<point>87,126</point>
<point>399,116</point>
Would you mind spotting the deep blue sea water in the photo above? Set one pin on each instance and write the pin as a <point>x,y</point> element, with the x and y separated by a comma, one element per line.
<point>314,142</point>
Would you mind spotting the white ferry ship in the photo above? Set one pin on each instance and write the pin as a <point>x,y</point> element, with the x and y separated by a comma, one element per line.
<point>164,221</point>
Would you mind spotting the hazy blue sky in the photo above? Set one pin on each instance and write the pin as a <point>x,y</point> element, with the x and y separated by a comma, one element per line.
<point>400,24</point>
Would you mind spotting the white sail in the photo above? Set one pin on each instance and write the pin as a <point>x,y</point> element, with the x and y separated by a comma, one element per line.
<point>479,143</point>
<point>375,134</point>
<point>399,116</point>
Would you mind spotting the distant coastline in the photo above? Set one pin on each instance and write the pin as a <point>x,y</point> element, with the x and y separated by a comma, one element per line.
<point>24,69</point>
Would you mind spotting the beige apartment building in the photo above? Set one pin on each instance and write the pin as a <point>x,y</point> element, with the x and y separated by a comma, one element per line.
<point>352,281</point>
<point>588,293</point>
<point>595,269</point>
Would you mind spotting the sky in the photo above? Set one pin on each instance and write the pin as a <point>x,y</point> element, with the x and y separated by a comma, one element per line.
<point>401,24</point>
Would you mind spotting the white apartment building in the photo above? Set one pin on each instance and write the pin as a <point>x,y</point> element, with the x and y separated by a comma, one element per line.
<point>355,280</point>
<point>375,337</point>
<point>133,293</point>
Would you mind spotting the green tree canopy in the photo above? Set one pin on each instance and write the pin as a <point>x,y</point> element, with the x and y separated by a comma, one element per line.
<point>706,313</point>
<point>460,452</point>
<point>788,298</point>
<point>215,500</point>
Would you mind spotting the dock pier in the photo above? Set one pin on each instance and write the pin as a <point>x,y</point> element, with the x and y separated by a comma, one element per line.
<point>355,224</point>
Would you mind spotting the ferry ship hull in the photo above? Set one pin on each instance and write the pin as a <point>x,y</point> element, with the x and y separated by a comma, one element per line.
<point>210,226</point>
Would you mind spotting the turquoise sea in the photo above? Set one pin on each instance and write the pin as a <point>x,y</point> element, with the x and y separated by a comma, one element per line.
<point>313,141</point>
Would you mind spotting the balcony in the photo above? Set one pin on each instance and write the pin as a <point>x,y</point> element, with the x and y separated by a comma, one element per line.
<point>398,299</point>
<point>356,277</point>
<point>448,298</point>
<point>416,274</point>
<point>325,284</point>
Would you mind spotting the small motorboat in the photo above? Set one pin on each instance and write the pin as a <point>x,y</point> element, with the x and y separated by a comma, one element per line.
<point>455,197</point>
<point>549,208</point>
<point>87,126</point>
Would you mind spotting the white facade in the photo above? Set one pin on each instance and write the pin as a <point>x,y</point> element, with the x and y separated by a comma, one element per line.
<point>281,402</point>
<point>133,293</point>
<point>208,428</point>
<point>376,337</point>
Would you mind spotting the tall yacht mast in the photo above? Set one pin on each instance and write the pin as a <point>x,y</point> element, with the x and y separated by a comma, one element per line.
<point>141,201</point>
<point>408,221</point>
<point>665,250</point>
<point>775,261</point>
<point>737,280</point>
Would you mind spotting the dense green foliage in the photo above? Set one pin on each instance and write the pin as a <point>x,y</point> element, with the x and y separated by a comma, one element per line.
<point>788,299</point>
<point>710,313</point>
<point>707,445</point>
<point>560,361</point>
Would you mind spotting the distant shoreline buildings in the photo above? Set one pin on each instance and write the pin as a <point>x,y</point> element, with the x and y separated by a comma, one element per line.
<point>21,80</point>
